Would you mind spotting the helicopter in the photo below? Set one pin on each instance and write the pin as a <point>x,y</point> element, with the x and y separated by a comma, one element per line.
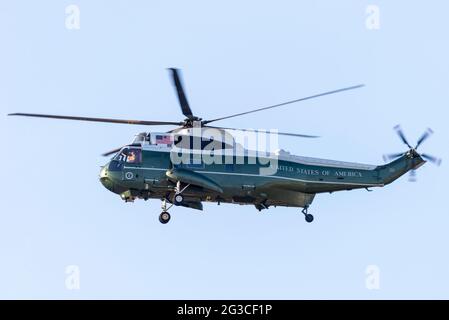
<point>175,167</point>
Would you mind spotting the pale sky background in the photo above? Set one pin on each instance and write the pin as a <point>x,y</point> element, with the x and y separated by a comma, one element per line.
<point>235,55</point>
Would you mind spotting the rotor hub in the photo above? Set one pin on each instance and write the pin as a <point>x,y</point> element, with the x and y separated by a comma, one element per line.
<point>189,122</point>
<point>413,153</point>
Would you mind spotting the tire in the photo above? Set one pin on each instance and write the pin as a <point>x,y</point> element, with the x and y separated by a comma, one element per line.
<point>309,218</point>
<point>164,217</point>
<point>178,199</point>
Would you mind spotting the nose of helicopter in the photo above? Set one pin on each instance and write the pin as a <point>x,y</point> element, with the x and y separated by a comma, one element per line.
<point>104,178</point>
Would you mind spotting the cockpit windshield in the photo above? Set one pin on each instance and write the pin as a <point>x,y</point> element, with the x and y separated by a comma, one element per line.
<point>129,155</point>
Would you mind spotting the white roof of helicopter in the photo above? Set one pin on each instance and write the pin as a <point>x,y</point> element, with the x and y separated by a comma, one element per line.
<point>285,155</point>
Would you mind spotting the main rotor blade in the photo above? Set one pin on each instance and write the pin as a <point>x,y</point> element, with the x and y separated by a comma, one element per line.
<point>181,94</point>
<point>106,154</point>
<point>432,159</point>
<point>424,137</point>
<point>401,135</point>
<point>268,132</point>
<point>139,122</point>
<point>285,103</point>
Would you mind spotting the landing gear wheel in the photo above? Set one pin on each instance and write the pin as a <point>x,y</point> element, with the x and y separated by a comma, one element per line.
<point>164,217</point>
<point>309,217</point>
<point>178,199</point>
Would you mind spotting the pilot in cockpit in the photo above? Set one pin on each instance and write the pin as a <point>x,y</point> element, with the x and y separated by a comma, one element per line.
<point>131,156</point>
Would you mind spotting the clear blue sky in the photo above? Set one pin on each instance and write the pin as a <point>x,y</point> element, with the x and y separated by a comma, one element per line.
<point>235,55</point>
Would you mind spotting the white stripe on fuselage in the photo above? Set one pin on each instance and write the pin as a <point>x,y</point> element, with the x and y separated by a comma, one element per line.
<point>267,176</point>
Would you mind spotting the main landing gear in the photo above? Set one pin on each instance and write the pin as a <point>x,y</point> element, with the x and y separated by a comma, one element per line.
<point>177,200</point>
<point>164,217</point>
<point>308,216</point>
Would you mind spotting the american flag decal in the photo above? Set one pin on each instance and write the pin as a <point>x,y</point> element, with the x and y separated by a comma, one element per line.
<point>163,139</point>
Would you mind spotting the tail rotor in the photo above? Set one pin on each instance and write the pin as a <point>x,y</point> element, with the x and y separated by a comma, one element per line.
<point>412,151</point>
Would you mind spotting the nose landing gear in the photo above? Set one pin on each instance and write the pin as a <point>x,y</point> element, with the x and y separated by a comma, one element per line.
<point>177,200</point>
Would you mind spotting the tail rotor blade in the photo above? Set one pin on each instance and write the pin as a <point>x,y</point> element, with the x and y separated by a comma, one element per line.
<point>392,156</point>
<point>412,176</point>
<point>424,137</point>
<point>434,160</point>
<point>402,136</point>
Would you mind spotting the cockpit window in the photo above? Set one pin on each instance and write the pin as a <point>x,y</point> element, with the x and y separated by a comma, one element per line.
<point>121,156</point>
<point>129,155</point>
<point>134,156</point>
